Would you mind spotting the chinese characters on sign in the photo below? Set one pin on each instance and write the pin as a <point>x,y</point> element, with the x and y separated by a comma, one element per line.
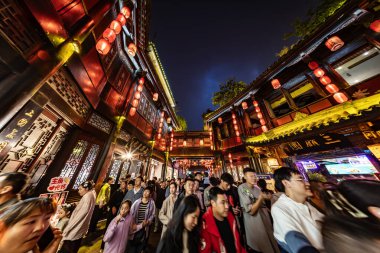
<point>17,127</point>
<point>58,197</point>
<point>58,184</point>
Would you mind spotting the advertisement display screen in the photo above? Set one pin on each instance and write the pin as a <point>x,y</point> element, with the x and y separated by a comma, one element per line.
<point>350,165</point>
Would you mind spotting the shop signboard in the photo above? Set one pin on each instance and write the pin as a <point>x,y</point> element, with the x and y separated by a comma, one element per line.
<point>321,142</point>
<point>57,197</point>
<point>58,184</point>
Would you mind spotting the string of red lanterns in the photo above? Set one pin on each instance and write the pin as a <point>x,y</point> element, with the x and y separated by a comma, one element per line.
<point>375,26</point>
<point>136,97</point>
<point>160,126</point>
<point>234,122</point>
<point>324,79</point>
<point>103,46</point>
<point>260,116</point>
<point>171,141</point>
<point>210,133</point>
<point>230,159</point>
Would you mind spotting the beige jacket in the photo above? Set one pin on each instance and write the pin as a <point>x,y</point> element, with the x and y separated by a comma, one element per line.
<point>166,212</point>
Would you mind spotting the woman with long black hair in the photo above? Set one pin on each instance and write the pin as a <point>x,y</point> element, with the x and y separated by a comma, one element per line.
<point>183,232</point>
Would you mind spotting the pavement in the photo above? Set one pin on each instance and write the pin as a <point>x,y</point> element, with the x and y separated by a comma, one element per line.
<point>92,242</point>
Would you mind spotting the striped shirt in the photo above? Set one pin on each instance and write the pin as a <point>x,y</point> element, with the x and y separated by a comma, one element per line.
<point>141,212</point>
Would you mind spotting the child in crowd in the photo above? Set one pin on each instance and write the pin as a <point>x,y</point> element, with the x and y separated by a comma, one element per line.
<point>116,236</point>
<point>64,216</point>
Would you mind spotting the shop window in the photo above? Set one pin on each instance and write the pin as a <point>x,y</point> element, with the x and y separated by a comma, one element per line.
<point>114,172</point>
<point>87,165</point>
<point>304,94</point>
<point>279,106</point>
<point>73,162</point>
<point>361,66</point>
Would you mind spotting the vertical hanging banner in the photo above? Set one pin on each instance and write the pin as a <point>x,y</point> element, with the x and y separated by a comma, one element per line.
<point>12,133</point>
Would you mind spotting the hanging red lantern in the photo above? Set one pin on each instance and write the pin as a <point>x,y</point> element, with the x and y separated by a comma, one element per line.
<point>169,120</point>
<point>262,122</point>
<point>236,127</point>
<point>229,155</point>
<point>126,12</point>
<point>155,96</point>
<point>103,46</point>
<point>220,120</point>
<point>259,115</point>
<point>137,94</point>
<point>313,65</point>
<point>135,102</point>
<point>132,111</point>
<point>334,43</point>
<point>264,128</point>
<point>142,80</point>
<point>233,116</point>
<point>116,26</point>
<point>276,84</point>
<point>244,105</point>
<point>255,103</point>
<point>158,136</point>
<point>160,130</point>
<point>162,114</point>
<point>332,88</point>
<point>325,80</point>
<point>257,109</point>
<point>375,26</point>
<point>237,133</point>
<point>340,97</point>
<point>109,35</point>
<point>161,124</point>
<point>161,120</point>
<point>122,20</point>
<point>234,122</point>
<point>132,49</point>
<point>319,72</point>
<point>140,88</point>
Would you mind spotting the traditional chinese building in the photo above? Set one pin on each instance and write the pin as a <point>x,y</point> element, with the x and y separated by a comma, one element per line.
<point>317,107</point>
<point>83,91</point>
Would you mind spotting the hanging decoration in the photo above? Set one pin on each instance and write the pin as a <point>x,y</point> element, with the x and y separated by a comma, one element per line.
<point>161,125</point>
<point>334,43</point>
<point>375,26</point>
<point>313,65</point>
<point>260,116</point>
<point>220,120</point>
<point>137,96</point>
<point>155,96</point>
<point>210,133</point>
<point>236,127</point>
<point>244,105</point>
<point>103,46</point>
<point>171,141</point>
<point>276,84</point>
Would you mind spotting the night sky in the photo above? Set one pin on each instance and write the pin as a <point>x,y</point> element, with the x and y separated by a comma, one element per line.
<point>202,43</point>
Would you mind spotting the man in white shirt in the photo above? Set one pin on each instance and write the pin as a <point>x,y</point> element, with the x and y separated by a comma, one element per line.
<point>296,223</point>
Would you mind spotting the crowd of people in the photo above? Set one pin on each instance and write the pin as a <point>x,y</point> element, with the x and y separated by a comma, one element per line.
<point>197,214</point>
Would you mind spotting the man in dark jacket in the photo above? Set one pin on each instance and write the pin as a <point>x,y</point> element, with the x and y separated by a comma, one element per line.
<point>188,190</point>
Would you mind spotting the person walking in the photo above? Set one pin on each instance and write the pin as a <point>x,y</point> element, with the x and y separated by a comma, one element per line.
<point>219,231</point>
<point>182,234</point>
<point>80,219</point>
<point>137,191</point>
<point>166,212</point>
<point>257,223</point>
<point>188,190</point>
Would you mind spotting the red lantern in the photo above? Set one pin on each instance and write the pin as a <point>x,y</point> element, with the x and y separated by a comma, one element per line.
<point>160,130</point>
<point>220,120</point>
<point>313,65</point>
<point>158,136</point>
<point>276,84</point>
<point>122,20</point>
<point>236,127</point>
<point>264,128</point>
<point>126,12</point>
<point>255,104</point>
<point>155,96</point>
<point>142,80</point>
<point>116,26</point>
<point>229,155</point>
<point>237,133</point>
<point>375,26</point>
<point>334,43</point>
<point>233,116</point>
<point>340,97</point>
<point>109,35</point>
<point>332,88</point>
<point>162,114</point>
<point>257,109</point>
<point>169,120</point>
<point>244,105</point>
<point>132,49</point>
<point>132,111</point>
<point>259,115</point>
<point>262,122</point>
<point>135,102</point>
<point>319,72</point>
<point>161,124</point>
<point>161,120</point>
<point>140,87</point>
<point>103,46</point>
<point>325,80</point>
<point>137,94</point>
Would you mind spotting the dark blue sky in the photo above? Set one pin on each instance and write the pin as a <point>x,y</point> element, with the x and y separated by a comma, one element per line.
<point>202,43</point>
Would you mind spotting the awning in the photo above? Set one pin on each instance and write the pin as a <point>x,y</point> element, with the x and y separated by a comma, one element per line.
<point>332,115</point>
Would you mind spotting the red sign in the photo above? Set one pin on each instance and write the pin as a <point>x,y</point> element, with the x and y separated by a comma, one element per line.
<point>58,184</point>
<point>58,197</point>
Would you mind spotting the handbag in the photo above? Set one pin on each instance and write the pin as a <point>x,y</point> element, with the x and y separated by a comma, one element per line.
<point>139,237</point>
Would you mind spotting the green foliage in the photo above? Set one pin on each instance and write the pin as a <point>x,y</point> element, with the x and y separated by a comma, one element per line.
<point>182,123</point>
<point>315,18</point>
<point>228,91</point>
<point>316,177</point>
